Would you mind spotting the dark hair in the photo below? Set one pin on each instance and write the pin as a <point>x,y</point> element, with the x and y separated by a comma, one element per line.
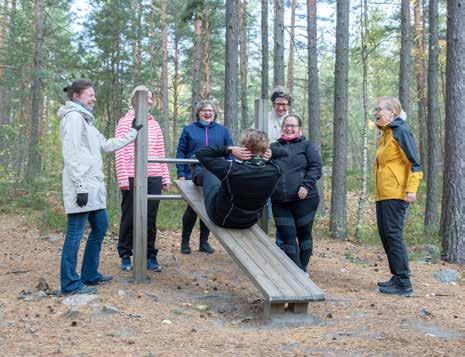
<point>299,120</point>
<point>77,87</point>
<point>202,105</point>
<point>281,92</point>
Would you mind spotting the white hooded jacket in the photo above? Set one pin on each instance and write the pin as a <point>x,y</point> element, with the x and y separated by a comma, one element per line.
<point>82,144</point>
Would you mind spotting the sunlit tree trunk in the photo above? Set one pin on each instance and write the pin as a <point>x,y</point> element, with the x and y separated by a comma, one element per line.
<point>196,62</point>
<point>421,81</point>
<point>206,51</point>
<point>176,83</point>
<point>363,184</point>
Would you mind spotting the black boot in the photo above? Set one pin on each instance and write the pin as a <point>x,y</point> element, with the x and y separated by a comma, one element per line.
<point>399,286</point>
<point>185,249</point>
<point>204,247</point>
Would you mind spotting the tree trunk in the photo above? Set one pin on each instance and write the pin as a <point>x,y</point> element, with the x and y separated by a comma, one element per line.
<point>243,63</point>
<point>338,219</point>
<point>291,62</point>
<point>164,70</point>
<point>453,209</point>
<point>278,51</point>
<point>363,189</point>
<point>154,73</point>
<point>33,166</point>
<point>265,49</point>
<point>176,83</point>
<point>313,97</point>
<point>206,51</point>
<point>196,62</point>
<point>137,50</point>
<point>3,35</point>
<point>421,82</point>
<point>434,143</point>
<point>230,82</point>
<point>405,49</point>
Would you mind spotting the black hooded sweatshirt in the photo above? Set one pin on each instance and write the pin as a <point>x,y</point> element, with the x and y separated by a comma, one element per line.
<point>245,186</point>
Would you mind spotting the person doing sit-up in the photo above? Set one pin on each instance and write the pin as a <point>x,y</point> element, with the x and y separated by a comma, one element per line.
<point>235,192</point>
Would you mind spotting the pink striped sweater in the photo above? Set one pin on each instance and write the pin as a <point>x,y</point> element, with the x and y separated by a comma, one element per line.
<point>125,156</point>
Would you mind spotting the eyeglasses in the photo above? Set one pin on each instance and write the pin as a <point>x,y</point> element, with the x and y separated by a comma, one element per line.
<point>291,126</point>
<point>378,109</point>
<point>281,104</point>
<point>206,111</point>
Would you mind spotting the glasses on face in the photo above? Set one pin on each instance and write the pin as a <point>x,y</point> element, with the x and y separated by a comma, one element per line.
<point>206,111</point>
<point>281,104</point>
<point>379,109</point>
<point>291,126</point>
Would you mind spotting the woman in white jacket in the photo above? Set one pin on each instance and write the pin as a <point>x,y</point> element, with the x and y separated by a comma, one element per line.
<point>84,191</point>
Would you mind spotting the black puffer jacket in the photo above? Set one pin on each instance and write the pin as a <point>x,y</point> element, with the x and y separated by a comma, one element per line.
<point>245,186</point>
<point>304,169</point>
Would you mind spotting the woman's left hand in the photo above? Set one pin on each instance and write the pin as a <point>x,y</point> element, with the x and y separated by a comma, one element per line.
<point>410,197</point>
<point>303,192</point>
<point>267,154</point>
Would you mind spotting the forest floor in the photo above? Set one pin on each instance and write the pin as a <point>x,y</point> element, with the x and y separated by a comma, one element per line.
<point>205,305</point>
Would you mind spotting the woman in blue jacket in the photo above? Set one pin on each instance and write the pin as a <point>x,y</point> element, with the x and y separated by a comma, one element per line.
<point>295,199</point>
<point>203,132</point>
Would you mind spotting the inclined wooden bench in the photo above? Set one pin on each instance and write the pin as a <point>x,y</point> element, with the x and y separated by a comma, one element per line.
<point>272,272</point>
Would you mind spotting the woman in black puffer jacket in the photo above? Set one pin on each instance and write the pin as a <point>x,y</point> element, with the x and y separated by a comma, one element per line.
<point>296,198</point>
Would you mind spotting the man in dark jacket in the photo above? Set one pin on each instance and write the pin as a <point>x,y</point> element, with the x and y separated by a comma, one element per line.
<point>235,192</point>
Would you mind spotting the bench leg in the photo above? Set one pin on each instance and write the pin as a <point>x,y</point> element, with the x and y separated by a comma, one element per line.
<point>273,309</point>
<point>298,307</point>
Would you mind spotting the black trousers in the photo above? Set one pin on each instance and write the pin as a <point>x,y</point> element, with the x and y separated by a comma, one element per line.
<point>125,238</point>
<point>188,223</point>
<point>295,219</point>
<point>390,216</point>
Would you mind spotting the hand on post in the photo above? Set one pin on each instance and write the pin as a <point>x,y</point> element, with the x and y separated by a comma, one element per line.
<point>137,127</point>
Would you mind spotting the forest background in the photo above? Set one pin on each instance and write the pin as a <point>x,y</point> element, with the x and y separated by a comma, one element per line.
<point>232,52</point>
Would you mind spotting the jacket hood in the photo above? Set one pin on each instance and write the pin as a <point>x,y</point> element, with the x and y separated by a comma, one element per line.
<point>396,122</point>
<point>71,106</point>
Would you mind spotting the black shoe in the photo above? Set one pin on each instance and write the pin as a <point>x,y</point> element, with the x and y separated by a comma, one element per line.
<point>185,249</point>
<point>103,280</point>
<point>152,264</point>
<point>206,248</point>
<point>85,290</point>
<point>386,283</point>
<point>395,289</point>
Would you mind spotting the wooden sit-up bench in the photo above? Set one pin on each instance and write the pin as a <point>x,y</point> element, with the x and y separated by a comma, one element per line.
<point>270,269</point>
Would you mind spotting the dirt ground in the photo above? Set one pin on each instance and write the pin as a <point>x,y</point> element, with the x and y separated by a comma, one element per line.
<point>205,305</point>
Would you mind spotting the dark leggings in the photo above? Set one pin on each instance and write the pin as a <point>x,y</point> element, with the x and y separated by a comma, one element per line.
<point>188,222</point>
<point>295,219</point>
<point>125,239</point>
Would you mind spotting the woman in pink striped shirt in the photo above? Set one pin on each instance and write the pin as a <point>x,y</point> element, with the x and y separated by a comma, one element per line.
<point>157,176</point>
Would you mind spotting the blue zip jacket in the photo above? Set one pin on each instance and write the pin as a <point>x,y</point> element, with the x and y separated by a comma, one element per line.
<point>196,136</point>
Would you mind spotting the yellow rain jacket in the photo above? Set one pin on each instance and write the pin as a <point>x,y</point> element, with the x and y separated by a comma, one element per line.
<point>397,168</point>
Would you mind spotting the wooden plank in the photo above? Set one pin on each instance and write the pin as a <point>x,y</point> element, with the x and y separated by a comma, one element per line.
<point>140,191</point>
<point>276,276</point>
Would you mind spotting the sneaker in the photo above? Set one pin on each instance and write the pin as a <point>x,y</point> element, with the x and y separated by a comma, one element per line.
<point>386,283</point>
<point>185,249</point>
<point>126,263</point>
<point>102,280</point>
<point>395,289</point>
<point>206,248</point>
<point>85,290</point>
<point>153,265</point>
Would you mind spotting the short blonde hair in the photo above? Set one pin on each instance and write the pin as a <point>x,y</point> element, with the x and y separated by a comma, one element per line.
<point>256,141</point>
<point>392,104</point>
<point>132,97</point>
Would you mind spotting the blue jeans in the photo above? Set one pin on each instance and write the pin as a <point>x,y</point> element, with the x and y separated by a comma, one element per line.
<point>69,279</point>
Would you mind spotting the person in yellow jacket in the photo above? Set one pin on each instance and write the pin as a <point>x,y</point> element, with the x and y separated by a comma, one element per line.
<point>398,174</point>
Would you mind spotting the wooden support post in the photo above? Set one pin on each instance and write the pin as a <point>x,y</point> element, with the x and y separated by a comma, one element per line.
<point>298,307</point>
<point>273,309</point>
<point>261,123</point>
<point>140,191</point>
